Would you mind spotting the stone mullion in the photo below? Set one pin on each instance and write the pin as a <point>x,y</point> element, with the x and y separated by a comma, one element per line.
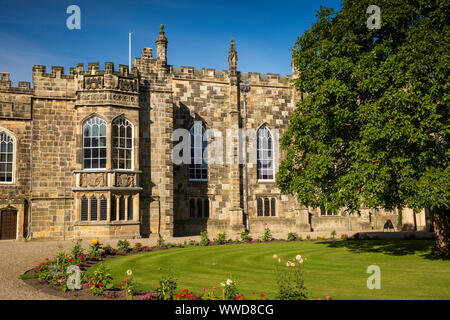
<point>136,216</point>
<point>125,214</point>
<point>109,147</point>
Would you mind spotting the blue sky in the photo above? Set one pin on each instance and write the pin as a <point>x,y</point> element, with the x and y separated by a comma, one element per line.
<point>199,32</point>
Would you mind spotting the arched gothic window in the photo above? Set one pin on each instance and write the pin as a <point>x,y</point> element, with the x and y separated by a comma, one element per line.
<point>6,157</point>
<point>94,144</point>
<point>198,168</point>
<point>122,144</point>
<point>265,154</point>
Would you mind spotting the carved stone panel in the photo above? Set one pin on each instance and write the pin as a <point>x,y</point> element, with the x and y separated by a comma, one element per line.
<point>125,180</point>
<point>93,180</point>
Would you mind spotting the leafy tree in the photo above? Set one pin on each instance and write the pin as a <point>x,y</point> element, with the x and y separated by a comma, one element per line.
<point>372,129</point>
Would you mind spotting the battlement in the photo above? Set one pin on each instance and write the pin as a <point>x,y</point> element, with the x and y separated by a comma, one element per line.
<point>199,74</point>
<point>93,69</point>
<point>208,74</point>
<point>265,79</point>
<point>6,84</point>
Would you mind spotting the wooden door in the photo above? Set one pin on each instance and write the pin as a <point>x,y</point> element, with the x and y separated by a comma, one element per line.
<point>8,224</point>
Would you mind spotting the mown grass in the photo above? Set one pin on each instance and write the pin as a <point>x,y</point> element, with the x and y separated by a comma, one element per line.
<point>337,269</point>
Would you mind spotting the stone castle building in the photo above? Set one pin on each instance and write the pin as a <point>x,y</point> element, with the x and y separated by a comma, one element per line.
<point>89,153</point>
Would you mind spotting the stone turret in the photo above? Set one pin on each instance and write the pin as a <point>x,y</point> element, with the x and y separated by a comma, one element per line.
<point>161,48</point>
<point>232,59</point>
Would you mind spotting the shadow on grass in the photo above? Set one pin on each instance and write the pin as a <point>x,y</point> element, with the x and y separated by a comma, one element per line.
<point>424,248</point>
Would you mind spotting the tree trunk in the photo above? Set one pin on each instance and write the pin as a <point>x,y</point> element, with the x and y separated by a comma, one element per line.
<point>441,230</point>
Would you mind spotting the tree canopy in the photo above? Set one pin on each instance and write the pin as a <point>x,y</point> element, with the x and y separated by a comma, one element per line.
<point>373,128</point>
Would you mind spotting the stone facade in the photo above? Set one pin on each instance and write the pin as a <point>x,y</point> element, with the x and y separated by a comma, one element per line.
<point>57,197</point>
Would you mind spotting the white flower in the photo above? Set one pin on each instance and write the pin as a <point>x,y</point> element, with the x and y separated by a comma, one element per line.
<point>229,282</point>
<point>288,264</point>
<point>292,264</point>
<point>129,272</point>
<point>279,260</point>
<point>222,284</point>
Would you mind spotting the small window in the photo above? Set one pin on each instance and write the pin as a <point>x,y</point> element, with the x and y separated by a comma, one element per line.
<point>199,208</point>
<point>84,208</point>
<point>206,208</point>
<point>122,208</point>
<point>259,207</point>
<point>94,208</point>
<point>113,208</point>
<point>192,208</point>
<point>103,208</point>
<point>266,207</point>
<point>273,207</point>
<point>130,208</point>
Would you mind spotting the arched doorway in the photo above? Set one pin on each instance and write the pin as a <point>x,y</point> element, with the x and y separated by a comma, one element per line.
<point>8,224</point>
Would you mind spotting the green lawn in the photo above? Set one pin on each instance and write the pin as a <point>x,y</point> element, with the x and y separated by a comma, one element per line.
<point>337,269</point>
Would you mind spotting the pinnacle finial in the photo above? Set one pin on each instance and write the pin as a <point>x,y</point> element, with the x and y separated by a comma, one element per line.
<point>161,27</point>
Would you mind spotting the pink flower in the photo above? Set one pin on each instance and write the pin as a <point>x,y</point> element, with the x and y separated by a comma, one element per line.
<point>328,297</point>
<point>203,289</point>
<point>319,299</point>
<point>264,224</point>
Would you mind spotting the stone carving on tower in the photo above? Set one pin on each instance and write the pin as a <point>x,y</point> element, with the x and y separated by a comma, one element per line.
<point>232,59</point>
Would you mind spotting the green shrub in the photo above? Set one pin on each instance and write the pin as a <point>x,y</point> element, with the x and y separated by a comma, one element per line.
<point>245,236</point>
<point>290,280</point>
<point>292,236</point>
<point>101,280</point>
<point>123,246</point>
<point>108,249</point>
<point>167,287</point>
<point>204,238</point>
<point>161,242</point>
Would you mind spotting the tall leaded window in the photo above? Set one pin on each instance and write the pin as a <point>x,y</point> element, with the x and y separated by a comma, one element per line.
<point>265,154</point>
<point>6,157</point>
<point>84,208</point>
<point>113,208</point>
<point>103,208</point>
<point>94,208</point>
<point>122,144</point>
<point>94,144</point>
<point>198,168</point>
<point>130,208</point>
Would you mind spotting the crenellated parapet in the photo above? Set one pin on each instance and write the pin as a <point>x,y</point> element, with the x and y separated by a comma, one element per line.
<point>15,102</point>
<point>269,79</point>
<point>106,87</point>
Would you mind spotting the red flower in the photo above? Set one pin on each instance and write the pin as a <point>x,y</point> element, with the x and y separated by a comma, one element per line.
<point>46,259</point>
<point>100,284</point>
<point>262,295</point>
<point>185,290</point>
<point>176,295</point>
<point>124,281</point>
<point>188,296</point>
<point>253,293</point>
